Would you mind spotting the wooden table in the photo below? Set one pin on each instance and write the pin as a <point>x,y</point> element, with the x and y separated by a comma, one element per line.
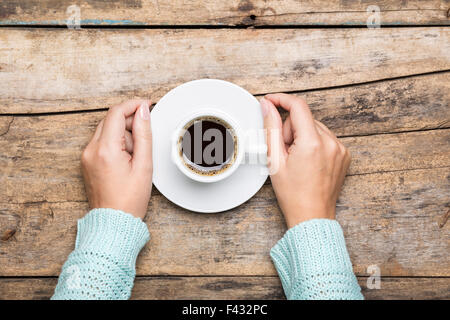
<point>384,91</point>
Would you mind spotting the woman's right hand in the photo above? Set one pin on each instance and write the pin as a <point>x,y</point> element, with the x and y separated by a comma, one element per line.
<point>117,163</point>
<point>307,163</point>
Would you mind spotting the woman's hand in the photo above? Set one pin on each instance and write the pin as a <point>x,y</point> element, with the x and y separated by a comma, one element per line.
<point>117,163</point>
<point>307,162</point>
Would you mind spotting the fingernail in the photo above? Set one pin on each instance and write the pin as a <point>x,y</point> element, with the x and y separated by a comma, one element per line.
<point>264,107</point>
<point>144,111</point>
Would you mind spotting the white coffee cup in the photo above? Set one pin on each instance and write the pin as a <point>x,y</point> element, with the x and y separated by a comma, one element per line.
<point>241,146</point>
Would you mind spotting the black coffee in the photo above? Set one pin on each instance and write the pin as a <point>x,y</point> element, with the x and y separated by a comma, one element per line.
<point>208,145</point>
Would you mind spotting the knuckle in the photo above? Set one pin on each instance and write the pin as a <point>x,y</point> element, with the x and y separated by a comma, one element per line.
<point>114,109</point>
<point>301,101</point>
<point>314,146</point>
<point>342,148</point>
<point>344,151</point>
<point>103,154</point>
<point>86,156</point>
<point>334,148</point>
<point>348,155</point>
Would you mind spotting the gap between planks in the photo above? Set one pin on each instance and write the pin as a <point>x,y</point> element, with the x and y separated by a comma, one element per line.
<point>151,276</point>
<point>225,13</point>
<point>237,287</point>
<point>209,27</point>
<point>350,85</point>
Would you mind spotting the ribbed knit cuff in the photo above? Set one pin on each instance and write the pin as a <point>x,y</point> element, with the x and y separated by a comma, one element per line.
<point>312,248</point>
<point>112,232</point>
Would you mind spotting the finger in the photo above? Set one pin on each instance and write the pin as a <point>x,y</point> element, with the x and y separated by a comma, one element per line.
<point>348,159</point>
<point>142,140</point>
<point>302,120</point>
<point>129,123</point>
<point>345,166</point>
<point>128,142</point>
<point>98,131</point>
<point>115,123</point>
<point>326,137</point>
<point>321,130</point>
<point>288,135</point>
<point>332,135</point>
<point>326,130</point>
<point>276,151</point>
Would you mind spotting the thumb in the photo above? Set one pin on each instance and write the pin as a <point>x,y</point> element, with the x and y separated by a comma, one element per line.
<point>142,139</point>
<point>276,151</point>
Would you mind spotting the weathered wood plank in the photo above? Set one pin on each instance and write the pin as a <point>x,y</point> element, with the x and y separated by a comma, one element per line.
<point>226,288</point>
<point>56,69</point>
<point>414,103</point>
<point>393,220</point>
<point>216,12</point>
<point>40,159</point>
<point>408,289</point>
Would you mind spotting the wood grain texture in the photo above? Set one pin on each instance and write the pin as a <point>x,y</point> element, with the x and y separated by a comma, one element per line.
<point>40,159</point>
<point>221,13</point>
<point>228,288</point>
<point>392,220</point>
<point>47,70</point>
<point>391,209</point>
<point>414,103</point>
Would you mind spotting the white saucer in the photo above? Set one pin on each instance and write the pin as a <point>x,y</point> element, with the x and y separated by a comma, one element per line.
<point>167,114</point>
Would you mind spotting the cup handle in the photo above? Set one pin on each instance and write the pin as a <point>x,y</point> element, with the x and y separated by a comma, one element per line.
<point>255,143</point>
<point>255,151</point>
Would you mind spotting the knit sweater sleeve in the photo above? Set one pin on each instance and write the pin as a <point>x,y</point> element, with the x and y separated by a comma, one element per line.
<point>102,266</point>
<point>313,263</point>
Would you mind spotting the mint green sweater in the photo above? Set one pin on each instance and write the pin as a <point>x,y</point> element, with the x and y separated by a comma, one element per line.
<point>311,259</point>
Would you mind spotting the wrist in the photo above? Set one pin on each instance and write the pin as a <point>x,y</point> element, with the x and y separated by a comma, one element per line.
<point>296,216</point>
<point>135,207</point>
